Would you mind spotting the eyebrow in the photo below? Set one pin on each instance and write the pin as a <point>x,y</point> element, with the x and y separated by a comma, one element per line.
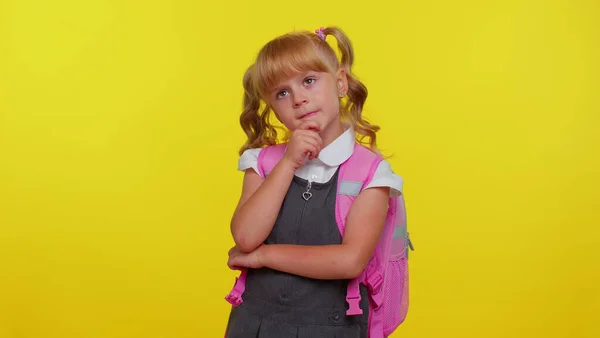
<point>302,75</point>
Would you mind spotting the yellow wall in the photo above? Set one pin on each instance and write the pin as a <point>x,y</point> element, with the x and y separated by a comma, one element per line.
<point>119,139</point>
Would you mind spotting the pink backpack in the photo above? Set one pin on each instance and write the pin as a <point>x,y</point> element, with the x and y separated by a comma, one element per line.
<point>386,274</point>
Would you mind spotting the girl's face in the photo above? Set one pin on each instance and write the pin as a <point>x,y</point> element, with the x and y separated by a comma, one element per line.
<point>310,96</point>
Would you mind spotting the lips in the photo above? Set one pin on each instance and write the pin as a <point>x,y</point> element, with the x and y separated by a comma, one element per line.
<point>308,114</point>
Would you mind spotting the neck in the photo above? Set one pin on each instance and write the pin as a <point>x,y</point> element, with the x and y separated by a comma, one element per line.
<point>333,131</point>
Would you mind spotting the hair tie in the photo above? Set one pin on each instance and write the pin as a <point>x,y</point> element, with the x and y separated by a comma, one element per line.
<point>320,33</point>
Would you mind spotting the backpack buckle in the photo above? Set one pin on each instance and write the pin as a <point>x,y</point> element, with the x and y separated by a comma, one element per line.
<point>235,296</point>
<point>353,306</point>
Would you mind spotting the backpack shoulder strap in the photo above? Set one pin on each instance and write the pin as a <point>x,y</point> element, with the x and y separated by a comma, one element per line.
<point>269,157</point>
<point>354,176</point>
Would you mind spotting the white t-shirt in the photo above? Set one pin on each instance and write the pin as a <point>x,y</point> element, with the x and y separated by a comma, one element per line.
<point>321,169</point>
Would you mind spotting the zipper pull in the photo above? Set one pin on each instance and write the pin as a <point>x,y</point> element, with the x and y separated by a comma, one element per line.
<point>307,194</point>
<point>410,245</point>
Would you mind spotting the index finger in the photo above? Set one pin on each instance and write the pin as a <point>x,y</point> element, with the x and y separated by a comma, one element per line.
<point>310,125</point>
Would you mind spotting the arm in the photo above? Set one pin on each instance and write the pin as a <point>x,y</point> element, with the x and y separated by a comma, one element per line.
<point>259,206</point>
<point>364,225</point>
<point>261,200</point>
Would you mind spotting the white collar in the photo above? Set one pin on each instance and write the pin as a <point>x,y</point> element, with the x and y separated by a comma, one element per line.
<point>338,151</point>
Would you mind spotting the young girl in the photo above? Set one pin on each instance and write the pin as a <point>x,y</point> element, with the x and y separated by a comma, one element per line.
<point>298,265</point>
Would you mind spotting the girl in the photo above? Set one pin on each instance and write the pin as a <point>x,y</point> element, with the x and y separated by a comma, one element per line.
<point>298,265</point>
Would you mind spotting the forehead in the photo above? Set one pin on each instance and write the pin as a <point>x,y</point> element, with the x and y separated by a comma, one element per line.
<point>279,65</point>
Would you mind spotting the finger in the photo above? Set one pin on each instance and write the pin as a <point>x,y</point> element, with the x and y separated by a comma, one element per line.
<point>311,149</point>
<point>307,149</point>
<point>234,252</point>
<point>303,134</point>
<point>315,144</point>
<point>315,137</point>
<point>310,125</point>
<point>234,267</point>
<point>232,262</point>
<point>309,134</point>
<point>316,129</point>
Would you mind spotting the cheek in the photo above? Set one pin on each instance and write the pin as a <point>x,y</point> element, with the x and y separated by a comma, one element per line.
<point>277,108</point>
<point>334,103</point>
<point>330,96</point>
<point>282,115</point>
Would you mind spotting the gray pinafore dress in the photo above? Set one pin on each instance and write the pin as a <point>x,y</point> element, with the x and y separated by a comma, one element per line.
<point>281,305</point>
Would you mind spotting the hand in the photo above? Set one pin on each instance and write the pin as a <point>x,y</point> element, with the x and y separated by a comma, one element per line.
<point>305,140</point>
<point>239,259</point>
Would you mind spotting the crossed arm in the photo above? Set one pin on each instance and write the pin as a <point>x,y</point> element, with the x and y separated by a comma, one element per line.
<point>257,211</point>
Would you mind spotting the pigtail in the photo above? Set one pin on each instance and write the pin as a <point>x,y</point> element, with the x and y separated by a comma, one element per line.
<point>256,125</point>
<point>357,91</point>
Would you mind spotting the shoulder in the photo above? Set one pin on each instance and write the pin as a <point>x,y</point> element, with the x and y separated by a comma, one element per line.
<point>249,159</point>
<point>383,176</point>
<point>386,177</point>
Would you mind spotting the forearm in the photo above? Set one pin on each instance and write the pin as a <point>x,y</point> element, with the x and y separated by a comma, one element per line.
<point>254,220</point>
<point>320,262</point>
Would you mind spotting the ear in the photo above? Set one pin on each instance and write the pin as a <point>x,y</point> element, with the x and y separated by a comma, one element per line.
<point>341,82</point>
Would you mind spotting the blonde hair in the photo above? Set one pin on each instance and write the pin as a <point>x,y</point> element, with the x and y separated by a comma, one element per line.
<point>291,54</point>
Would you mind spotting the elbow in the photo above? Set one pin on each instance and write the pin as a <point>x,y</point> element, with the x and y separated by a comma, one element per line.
<point>245,239</point>
<point>242,240</point>
<point>244,244</point>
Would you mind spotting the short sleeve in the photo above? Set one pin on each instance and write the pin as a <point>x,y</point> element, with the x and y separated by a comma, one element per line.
<point>385,177</point>
<point>249,159</point>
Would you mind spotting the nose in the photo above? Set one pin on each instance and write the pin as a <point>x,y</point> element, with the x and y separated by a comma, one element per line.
<point>300,99</point>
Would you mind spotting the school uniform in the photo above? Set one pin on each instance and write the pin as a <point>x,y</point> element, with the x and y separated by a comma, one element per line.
<point>281,305</point>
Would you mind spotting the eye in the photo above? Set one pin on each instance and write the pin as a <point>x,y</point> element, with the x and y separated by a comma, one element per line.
<point>281,94</point>
<point>309,80</point>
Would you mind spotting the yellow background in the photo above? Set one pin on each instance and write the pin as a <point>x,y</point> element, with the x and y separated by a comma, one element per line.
<point>118,151</point>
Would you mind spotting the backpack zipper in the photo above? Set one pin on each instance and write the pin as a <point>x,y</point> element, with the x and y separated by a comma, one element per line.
<point>410,245</point>
<point>307,194</point>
